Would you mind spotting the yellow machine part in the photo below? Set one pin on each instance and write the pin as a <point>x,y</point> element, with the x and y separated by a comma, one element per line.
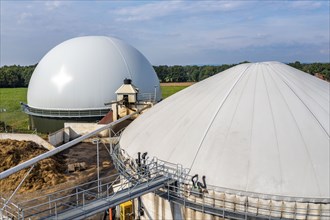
<point>126,211</point>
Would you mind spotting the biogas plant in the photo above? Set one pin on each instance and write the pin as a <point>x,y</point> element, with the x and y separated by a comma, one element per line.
<point>251,142</point>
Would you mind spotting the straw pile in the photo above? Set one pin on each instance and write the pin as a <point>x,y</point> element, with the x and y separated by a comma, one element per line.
<point>46,173</point>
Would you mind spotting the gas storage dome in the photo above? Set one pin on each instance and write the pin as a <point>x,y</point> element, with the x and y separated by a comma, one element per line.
<point>261,128</point>
<point>75,79</point>
<point>84,73</point>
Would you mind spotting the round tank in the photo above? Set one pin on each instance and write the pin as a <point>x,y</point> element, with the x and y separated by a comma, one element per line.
<point>84,72</point>
<point>255,128</point>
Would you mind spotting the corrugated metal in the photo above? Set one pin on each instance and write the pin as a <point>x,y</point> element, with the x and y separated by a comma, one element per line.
<point>261,127</point>
<point>85,72</point>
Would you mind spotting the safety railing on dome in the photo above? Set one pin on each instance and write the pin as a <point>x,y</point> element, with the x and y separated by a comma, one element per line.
<point>238,206</point>
<point>223,202</point>
<point>146,97</point>
<point>128,167</point>
<point>61,113</point>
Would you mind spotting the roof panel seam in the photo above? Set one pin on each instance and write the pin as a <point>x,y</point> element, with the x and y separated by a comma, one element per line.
<point>296,123</point>
<point>283,78</point>
<point>274,125</point>
<point>295,79</point>
<point>252,120</point>
<point>215,115</point>
<point>122,56</point>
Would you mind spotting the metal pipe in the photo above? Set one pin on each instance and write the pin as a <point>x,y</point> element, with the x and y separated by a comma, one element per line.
<point>63,147</point>
<point>19,185</point>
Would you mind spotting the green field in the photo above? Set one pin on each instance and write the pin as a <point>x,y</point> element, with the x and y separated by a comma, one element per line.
<point>12,115</point>
<point>170,90</point>
<point>10,108</point>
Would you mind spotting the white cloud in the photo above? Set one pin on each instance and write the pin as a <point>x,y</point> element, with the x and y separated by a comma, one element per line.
<point>147,11</point>
<point>23,17</point>
<point>306,5</point>
<point>325,51</point>
<point>52,5</point>
<point>166,8</point>
<point>166,31</point>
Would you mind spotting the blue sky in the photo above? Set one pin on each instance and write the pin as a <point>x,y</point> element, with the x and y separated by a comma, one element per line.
<point>172,32</point>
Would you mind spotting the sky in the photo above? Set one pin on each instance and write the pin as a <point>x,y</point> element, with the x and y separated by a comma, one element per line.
<point>172,32</point>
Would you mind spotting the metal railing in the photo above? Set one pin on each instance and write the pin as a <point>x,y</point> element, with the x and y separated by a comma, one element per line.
<point>216,201</point>
<point>65,201</point>
<point>8,211</point>
<point>224,202</point>
<point>240,207</point>
<point>62,113</point>
<point>146,97</point>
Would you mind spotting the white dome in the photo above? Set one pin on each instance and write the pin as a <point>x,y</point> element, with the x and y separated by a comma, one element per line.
<point>85,72</point>
<point>261,127</point>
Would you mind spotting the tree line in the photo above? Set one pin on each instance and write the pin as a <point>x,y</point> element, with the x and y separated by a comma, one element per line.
<point>19,76</point>
<point>15,76</point>
<point>196,73</point>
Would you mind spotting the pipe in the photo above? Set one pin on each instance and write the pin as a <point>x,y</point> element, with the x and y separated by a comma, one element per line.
<point>63,147</point>
<point>144,157</point>
<point>19,185</point>
<point>194,180</point>
<point>202,185</point>
<point>138,160</point>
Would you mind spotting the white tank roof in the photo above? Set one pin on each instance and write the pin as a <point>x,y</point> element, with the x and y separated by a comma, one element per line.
<point>85,72</point>
<point>259,127</point>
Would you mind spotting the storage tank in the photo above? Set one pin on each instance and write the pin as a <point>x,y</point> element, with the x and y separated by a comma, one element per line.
<point>74,80</point>
<point>258,132</point>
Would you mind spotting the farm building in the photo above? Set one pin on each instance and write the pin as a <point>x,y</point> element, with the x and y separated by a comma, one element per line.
<point>257,133</point>
<point>75,79</point>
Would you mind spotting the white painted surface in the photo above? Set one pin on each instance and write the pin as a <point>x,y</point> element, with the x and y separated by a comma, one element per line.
<point>260,127</point>
<point>84,73</point>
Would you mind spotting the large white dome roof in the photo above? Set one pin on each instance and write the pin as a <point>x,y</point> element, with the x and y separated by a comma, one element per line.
<point>259,127</point>
<point>85,72</point>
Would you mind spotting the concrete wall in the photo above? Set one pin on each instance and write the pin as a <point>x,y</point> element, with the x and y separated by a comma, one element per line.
<point>27,137</point>
<point>59,137</point>
<point>78,129</point>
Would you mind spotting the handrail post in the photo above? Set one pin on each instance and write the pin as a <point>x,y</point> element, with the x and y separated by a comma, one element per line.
<point>83,199</point>
<point>55,210</point>
<point>97,141</point>
<point>50,205</point>
<point>77,196</point>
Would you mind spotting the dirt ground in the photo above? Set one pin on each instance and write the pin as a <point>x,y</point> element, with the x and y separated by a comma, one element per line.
<point>50,174</point>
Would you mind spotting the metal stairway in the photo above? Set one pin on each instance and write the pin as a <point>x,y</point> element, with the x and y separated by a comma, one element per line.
<point>96,196</point>
<point>102,204</point>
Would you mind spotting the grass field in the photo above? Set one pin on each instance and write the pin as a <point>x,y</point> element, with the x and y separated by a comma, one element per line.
<point>169,89</point>
<point>10,108</point>
<point>13,116</point>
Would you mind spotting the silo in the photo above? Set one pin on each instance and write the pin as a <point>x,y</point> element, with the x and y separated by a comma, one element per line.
<point>258,132</point>
<point>74,80</point>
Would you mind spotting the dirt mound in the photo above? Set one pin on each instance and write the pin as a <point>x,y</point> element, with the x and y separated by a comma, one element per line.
<point>45,173</point>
